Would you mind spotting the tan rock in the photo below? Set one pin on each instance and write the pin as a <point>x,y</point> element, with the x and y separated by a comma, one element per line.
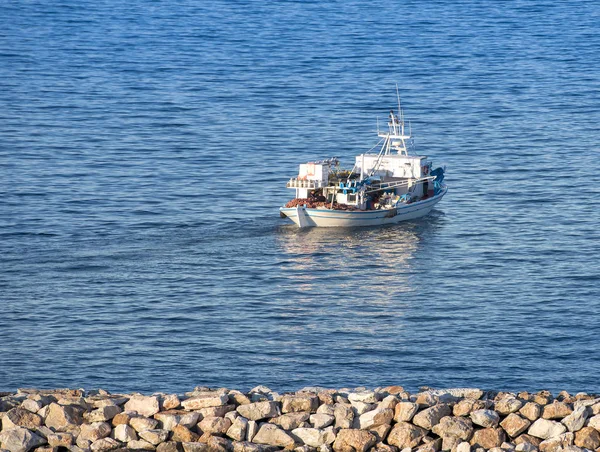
<point>485,418</point>
<point>104,444</point>
<point>363,396</point>
<point>394,390</point>
<point>455,427</point>
<point>557,443</point>
<point>389,402</point>
<point>272,435</point>
<point>514,425</point>
<point>215,411</point>
<point>143,423</point>
<point>376,417</point>
<point>531,411</point>
<point>381,432</point>
<point>122,418</point>
<point>140,445</point>
<point>214,425</point>
<point>556,410</point>
<point>321,420</point>
<point>544,429</point>
<point>259,410</point>
<point>239,398</point>
<point>507,405</point>
<point>183,434</point>
<point>143,405</point>
<point>168,446</point>
<point>124,433</point>
<point>95,431</point>
<point>32,405</point>
<point>290,421</point>
<point>169,419</point>
<point>60,439</point>
<point>326,409</point>
<point>466,406</point>
<point>19,439</point>
<point>351,440</point>
<point>576,420</point>
<point>195,447</point>
<point>20,417</point>
<point>525,438</point>
<point>313,437</point>
<point>205,401</point>
<point>171,402</point>
<point>344,416</point>
<point>63,418</point>
<point>431,416</point>
<point>296,403</point>
<point>543,398</point>
<point>103,414</point>
<point>238,429</point>
<point>463,447</point>
<point>218,444</point>
<point>588,438</point>
<point>245,446</point>
<point>155,436</point>
<point>405,435</point>
<point>252,430</point>
<point>488,438</point>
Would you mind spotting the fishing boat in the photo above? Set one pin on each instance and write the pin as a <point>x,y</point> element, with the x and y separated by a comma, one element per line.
<point>385,186</point>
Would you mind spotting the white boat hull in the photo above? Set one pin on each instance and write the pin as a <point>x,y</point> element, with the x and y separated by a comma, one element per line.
<point>327,218</point>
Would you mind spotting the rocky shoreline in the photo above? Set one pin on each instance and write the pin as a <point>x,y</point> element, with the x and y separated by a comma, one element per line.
<point>312,419</point>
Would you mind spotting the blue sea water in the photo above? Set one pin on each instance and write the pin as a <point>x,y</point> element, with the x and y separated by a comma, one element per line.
<point>144,151</point>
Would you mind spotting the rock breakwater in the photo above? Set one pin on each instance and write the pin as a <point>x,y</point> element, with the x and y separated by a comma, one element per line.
<point>312,419</point>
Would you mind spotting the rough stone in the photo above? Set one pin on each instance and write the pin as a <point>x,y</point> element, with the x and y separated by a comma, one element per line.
<point>405,435</point>
<point>531,411</point>
<point>405,411</point>
<point>455,427</point>
<point>20,417</point>
<point>488,438</point>
<point>557,443</point>
<point>104,444</point>
<point>122,418</point>
<point>352,440</point>
<point>463,447</point>
<point>169,419</point>
<point>103,414</point>
<point>389,402</point>
<point>525,438</point>
<point>140,444</point>
<point>381,431</point>
<point>313,437</point>
<point>514,425</point>
<point>507,405</point>
<point>95,431</point>
<point>290,421</point>
<point>259,410</point>
<point>19,439</point>
<point>124,433</point>
<point>321,420</point>
<point>60,439</point>
<point>32,405</point>
<point>525,447</point>
<point>556,410</point>
<point>168,446</point>
<point>155,436</point>
<point>272,435</point>
<point>219,444</point>
<point>485,418</point>
<point>215,411</point>
<point>183,434</point>
<point>63,418</point>
<point>296,403</point>
<point>361,407</point>
<point>245,446</point>
<point>543,398</point>
<point>466,406</point>
<point>205,401</point>
<point>143,405</point>
<point>588,438</point>
<point>576,420</point>
<point>143,423</point>
<point>214,425</point>
<point>171,402</point>
<point>238,429</point>
<point>431,416</point>
<point>344,416</point>
<point>252,430</point>
<point>376,417</point>
<point>544,429</point>
<point>363,396</point>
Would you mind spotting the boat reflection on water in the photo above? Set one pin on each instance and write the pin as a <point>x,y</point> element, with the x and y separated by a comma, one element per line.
<point>367,263</point>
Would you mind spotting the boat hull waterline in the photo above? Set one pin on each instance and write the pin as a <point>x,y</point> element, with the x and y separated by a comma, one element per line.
<point>305,217</point>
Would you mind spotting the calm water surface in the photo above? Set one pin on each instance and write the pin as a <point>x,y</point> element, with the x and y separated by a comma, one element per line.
<point>144,150</point>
